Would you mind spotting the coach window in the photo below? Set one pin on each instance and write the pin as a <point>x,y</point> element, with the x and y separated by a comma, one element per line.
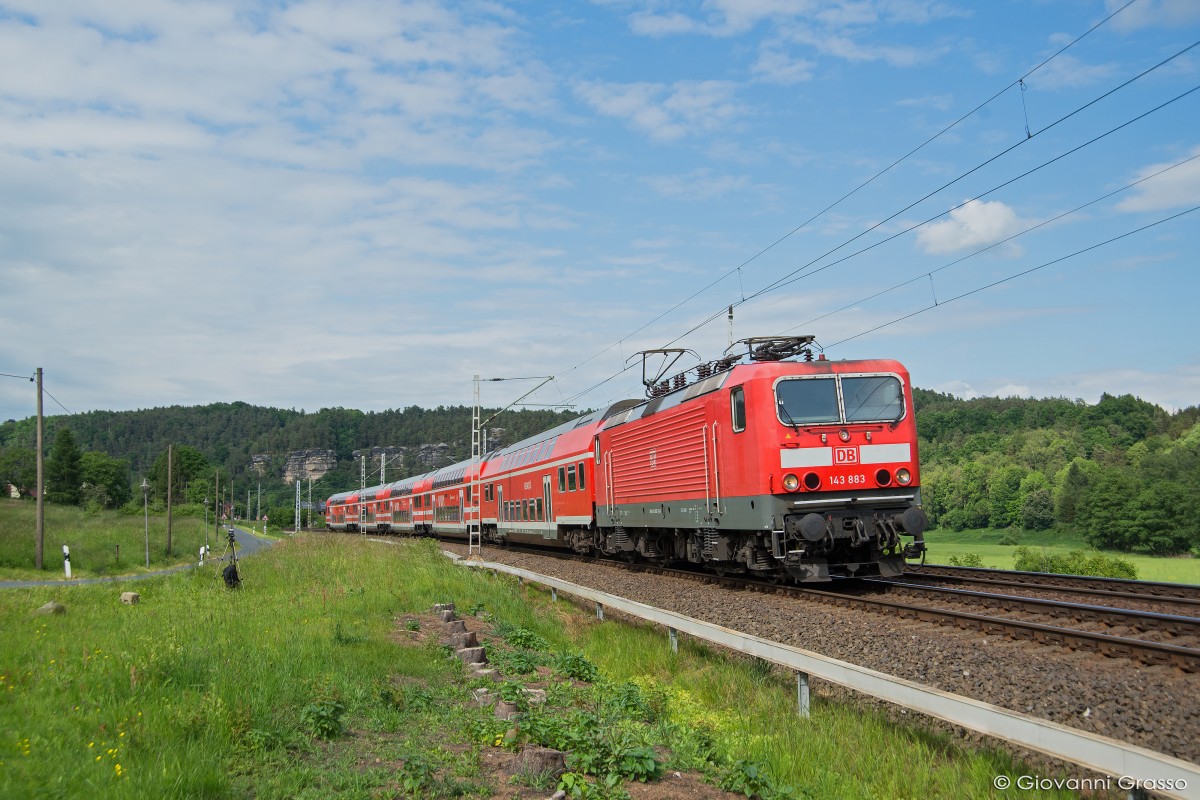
<point>562,479</point>
<point>571,478</point>
<point>581,486</point>
<point>737,400</point>
<point>540,515</point>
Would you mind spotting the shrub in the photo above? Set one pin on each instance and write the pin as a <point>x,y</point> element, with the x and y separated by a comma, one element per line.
<point>965,560</point>
<point>576,666</point>
<point>323,717</point>
<point>1076,562</point>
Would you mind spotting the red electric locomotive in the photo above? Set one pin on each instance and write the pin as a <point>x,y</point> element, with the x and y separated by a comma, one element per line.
<point>800,470</point>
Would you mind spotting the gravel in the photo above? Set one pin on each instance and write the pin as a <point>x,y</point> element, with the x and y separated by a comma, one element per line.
<point>1156,707</point>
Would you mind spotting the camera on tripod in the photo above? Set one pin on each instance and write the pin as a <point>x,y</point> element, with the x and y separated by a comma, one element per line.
<point>230,531</point>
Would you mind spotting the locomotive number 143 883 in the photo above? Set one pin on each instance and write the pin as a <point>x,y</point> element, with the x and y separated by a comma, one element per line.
<point>854,479</point>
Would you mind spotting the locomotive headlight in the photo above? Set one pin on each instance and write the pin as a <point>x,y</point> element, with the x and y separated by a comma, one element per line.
<point>791,482</point>
<point>903,477</point>
<point>844,435</point>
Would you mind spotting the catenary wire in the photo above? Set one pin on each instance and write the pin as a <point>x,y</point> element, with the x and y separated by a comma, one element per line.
<point>994,245</point>
<point>857,188</point>
<point>794,275</point>
<point>1019,274</point>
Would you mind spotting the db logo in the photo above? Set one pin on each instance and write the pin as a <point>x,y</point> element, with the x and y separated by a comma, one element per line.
<point>845,455</point>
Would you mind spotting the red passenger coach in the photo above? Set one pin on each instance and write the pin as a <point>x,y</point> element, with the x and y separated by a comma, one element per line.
<point>797,470</point>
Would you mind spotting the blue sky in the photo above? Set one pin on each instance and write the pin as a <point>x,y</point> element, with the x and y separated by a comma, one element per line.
<point>365,203</point>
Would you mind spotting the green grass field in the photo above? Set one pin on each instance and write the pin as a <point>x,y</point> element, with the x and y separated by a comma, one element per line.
<point>94,539</point>
<point>199,691</point>
<point>985,543</point>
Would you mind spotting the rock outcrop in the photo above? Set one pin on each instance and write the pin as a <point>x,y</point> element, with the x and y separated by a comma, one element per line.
<point>305,464</point>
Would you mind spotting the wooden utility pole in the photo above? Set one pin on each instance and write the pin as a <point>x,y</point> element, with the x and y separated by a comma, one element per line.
<point>170,486</point>
<point>217,499</point>
<point>41,483</point>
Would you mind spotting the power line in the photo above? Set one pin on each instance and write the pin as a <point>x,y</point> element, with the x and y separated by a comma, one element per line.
<point>1019,274</point>
<point>1002,153</point>
<point>1027,173</point>
<point>994,245</point>
<point>863,185</point>
<point>799,273</point>
<point>55,399</point>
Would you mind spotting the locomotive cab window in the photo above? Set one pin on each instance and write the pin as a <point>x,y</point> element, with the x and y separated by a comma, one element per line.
<point>874,398</point>
<point>737,403</point>
<point>807,401</point>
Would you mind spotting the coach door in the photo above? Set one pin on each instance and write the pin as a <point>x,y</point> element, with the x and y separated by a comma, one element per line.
<point>551,530</point>
<point>501,511</point>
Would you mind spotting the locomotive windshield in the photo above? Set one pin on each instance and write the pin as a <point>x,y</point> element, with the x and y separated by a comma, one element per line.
<point>815,401</point>
<point>873,399</point>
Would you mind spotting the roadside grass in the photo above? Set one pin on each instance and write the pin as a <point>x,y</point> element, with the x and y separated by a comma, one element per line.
<point>93,537</point>
<point>943,544</point>
<point>306,683</point>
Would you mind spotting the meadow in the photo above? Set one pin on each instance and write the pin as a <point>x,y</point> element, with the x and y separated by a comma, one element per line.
<point>306,683</point>
<point>102,543</point>
<point>944,544</point>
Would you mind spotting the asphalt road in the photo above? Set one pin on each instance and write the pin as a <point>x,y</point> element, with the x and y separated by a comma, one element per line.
<point>247,545</point>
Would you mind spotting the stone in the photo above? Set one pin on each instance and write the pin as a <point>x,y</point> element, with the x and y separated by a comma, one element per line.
<point>505,710</point>
<point>536,696</point>
<point>535,760</point>
<point>447,616</point>
<point>462,641</point>
<point>471,655</point>
<point>130,598</point>
<point>456,626</point>
<point>52,607</point>
<point>485,672</point>
<point>303,464</point>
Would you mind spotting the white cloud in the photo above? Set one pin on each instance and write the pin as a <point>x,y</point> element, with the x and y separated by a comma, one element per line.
<point>700,184</point>
<point>775,66</point>
<point>645,23</point>
<point>1153,13</point>
<point>665,112</point>
<point>978,223</point>
<point>1068,72</point>
<point>1175,189</point>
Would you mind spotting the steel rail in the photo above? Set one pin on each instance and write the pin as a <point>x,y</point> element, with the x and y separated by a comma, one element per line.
<point>1143,650</point>
<point>1171,777</point>
<point>1192,602</point>
<point>1157,589</point>
<point>1142,620</point>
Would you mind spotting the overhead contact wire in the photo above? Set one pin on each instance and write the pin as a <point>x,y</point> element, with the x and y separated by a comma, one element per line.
<point>1019,274</point>
<point>860,187</point>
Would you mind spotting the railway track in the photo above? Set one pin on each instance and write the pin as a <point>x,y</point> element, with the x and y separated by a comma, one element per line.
<point>1116,589</point>
<point>851,594</point>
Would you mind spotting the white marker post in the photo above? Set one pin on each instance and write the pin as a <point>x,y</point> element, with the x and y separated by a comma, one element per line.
<point>202,555</point>
<point>67,561</point>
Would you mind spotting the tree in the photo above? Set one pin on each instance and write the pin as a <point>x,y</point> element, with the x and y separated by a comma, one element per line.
<point>64,472</point>
<point>189,465</point>
<point>105,480</point>
<point>18,466</point>
<point>1037,509</point>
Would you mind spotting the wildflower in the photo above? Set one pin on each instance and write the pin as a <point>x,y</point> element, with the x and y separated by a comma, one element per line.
<point>97,758</point>
<point>91,744</point>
